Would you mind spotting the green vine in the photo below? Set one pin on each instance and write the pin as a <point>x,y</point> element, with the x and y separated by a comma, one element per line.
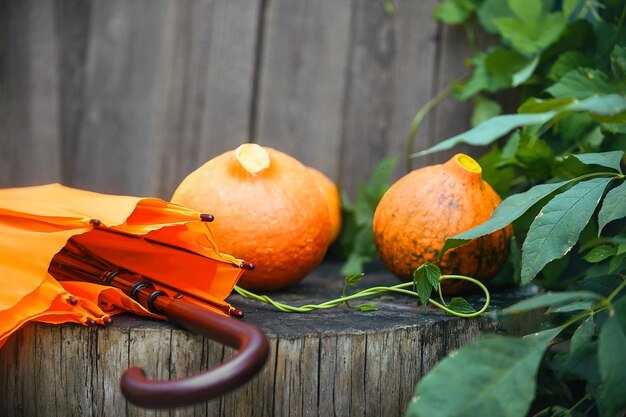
<point>419,288</point>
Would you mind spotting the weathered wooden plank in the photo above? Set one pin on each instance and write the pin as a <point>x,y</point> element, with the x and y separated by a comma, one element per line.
<point>410,364</point>
<point>29,135</point>
<point>72,21</point>
<point>150,350</point>
<point>288,388</point>
<point>212,354</point>
<point>256,398</point>
<point>77,359</point>
<point>187,355</point>
<point>114,139</point>
<point>302,80</point>
<point>390,77</point>
<point>204,88</point>
<point>110,348</point>
<point>389,369</point>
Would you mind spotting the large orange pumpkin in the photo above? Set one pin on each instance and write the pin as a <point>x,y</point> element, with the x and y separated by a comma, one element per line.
<point>269,209</point>
<point>428,205</point>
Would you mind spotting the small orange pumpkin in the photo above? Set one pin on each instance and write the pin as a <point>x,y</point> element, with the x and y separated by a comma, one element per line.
<point>428,205</point>
<point>269,209</point>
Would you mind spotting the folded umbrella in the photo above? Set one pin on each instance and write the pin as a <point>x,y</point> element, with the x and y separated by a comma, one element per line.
<point>69,255</point>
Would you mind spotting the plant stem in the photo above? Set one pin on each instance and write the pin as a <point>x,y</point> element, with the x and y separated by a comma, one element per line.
<point>617,290</point>
<point>417,121</point>
<point>368,292</point>
<point>579,402</point>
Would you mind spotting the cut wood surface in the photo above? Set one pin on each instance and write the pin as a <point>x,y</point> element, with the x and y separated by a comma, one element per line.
<point>129,96</point>
<point>338,362</point>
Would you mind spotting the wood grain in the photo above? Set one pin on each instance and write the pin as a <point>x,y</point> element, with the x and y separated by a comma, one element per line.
<point>128,97</point>
<point>390,77</point>
<point>30,150</point>
<point>204,86</point>
<point>302,75</point>
<point>335,362</point>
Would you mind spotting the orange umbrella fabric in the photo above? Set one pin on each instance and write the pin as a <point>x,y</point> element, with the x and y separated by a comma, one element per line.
<point>36,223</point>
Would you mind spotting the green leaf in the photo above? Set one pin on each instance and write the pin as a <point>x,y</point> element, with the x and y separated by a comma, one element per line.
<point>568,308</point>
<point>454,12</point>
<point>618,62</point>
<point>616,128</point>
<point>425,278</point>
<point>487,74</point>
<point>524,73</point>
<point>528,10</point>
<point>379,182</point>
<point>353,279</point>
<point>484,109</point>
<point>612,361</point>
<point>568,166</point>
<point>583,333</point>
<point>566,62</point>
<point>494,128</point>
<point>617,264</point>
<point>603,105</point>
<point>556,228</point>
<point>499,178</point>
<point>535,157</point>
<point>538,105</point>
<point>356,241</point>
<point>602,285</point>
<point>509,210</point>
<point>531,36</point>
<point>573,127</point>
<point>354,264</point>
<point>569,6</point>
<point>490,130</point>
<point>490,11</point>
<point>613,206</point>
<point>600,253</point>
<point>367,307</point>
<point>551,299</point>
<point>493,376</point>
<point>510,66</point>
<point>583,363</point>
<point>582,83</point>
<point>461,305</point>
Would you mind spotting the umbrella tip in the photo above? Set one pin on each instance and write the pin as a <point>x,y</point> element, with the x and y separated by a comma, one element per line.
<point>94,222</point>
<point>247,265</point>
<point>207,217</point>
<point>71,300</point>
<point>235,312</point>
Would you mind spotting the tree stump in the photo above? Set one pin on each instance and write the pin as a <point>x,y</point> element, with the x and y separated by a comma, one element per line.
<point>337,362</point>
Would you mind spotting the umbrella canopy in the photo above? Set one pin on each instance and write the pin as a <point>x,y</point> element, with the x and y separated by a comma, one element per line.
<point>37,222</point>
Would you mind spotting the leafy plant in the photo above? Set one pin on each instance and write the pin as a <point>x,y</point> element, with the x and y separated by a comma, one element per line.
<point>356,241</point>
<point>560,162</point>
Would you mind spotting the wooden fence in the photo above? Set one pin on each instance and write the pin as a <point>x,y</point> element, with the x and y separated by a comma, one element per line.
<point>129,96</point>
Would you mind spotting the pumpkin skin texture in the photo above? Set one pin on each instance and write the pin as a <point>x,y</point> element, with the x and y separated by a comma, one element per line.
<point>268,210</point>
<point>428,205</point>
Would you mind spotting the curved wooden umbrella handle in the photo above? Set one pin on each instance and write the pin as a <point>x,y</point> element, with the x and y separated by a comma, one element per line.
<point>252,353</point>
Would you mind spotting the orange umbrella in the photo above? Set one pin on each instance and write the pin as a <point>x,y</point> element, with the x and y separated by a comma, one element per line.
<point>69,255</point>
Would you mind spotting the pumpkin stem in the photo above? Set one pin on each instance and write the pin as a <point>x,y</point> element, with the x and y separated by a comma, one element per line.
<point>468,163</point>
<point>252,157</point>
